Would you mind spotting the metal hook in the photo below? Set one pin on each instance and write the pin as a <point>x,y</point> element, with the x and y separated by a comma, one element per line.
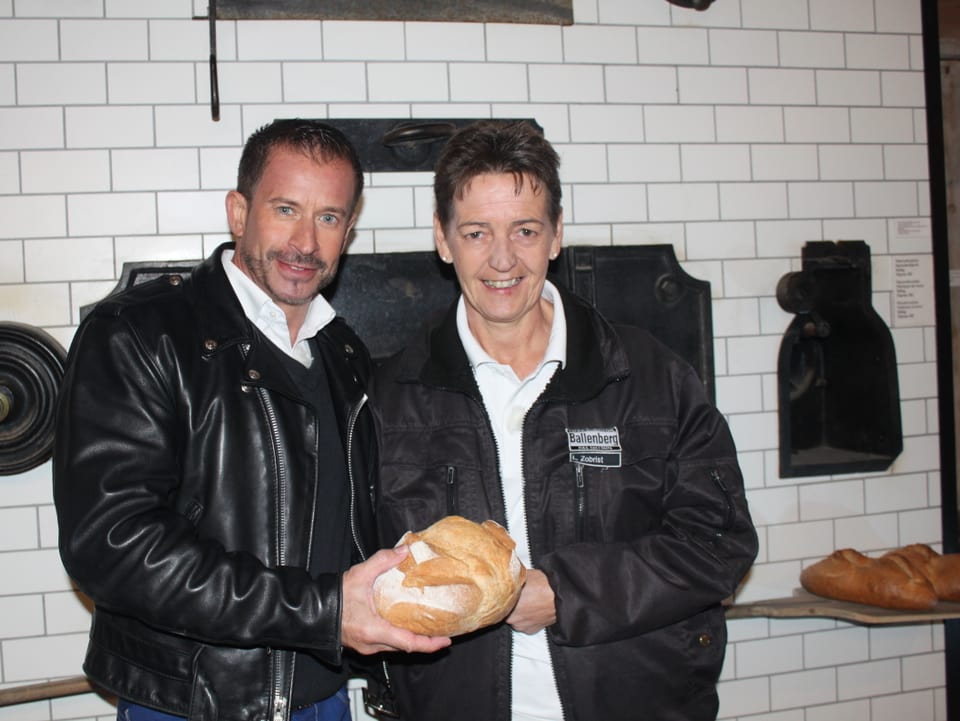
<point>695,4</point>
<point>416,132</point>
<point>214,85</point>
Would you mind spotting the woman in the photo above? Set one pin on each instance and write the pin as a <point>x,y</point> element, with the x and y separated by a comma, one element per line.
<point>594,445</point>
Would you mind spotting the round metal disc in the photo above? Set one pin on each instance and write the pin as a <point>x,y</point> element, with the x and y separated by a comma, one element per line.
<point>31,371</point>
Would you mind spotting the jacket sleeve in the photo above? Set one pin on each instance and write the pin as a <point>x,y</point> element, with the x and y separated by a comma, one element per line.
<point>688,559</point>
<point>127,537</point>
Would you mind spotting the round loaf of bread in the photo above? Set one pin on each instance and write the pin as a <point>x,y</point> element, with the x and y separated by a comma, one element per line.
<point>458,577</point>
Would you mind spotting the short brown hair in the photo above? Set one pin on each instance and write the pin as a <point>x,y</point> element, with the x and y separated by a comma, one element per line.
<point>312,137</point>
<point>496,146</point>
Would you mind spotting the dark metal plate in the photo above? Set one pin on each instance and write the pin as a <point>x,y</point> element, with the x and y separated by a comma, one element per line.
<point>31,370</point>
<point>401,144</point>
<point>544,12</point>
<point>387,297</point>
<point>839,397</point>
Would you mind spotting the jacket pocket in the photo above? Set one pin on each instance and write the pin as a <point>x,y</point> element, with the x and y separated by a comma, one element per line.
<point>730,513</point>
<point>615,502</point>
<point>453,500</point>
<point>579,502</point>
<point>413,497</point>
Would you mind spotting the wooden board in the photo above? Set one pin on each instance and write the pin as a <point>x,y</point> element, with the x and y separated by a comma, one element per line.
<point>948,21</point>
<point>806,605</point>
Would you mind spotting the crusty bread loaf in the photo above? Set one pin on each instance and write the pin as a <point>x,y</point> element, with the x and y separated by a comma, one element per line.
<point>942,571</point>
<point>913,578</point>
<point>459,576</point>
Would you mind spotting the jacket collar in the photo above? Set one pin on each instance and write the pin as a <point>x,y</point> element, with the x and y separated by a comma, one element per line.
<point>222,321</point>
<point>595,355</point>
<point>224,326</point>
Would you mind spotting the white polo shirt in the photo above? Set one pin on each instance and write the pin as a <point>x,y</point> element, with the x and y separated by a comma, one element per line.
<point>270,320</point>
<point>507,399</point>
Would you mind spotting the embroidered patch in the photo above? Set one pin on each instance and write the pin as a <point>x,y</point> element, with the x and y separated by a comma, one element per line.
<point>598,447</point>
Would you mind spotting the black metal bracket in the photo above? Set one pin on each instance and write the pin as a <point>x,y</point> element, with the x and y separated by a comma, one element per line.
<point>400,144</point>
<point>839,399</point>
<point>214,82</point>
<point>31,371</point>
<point>387,296</point>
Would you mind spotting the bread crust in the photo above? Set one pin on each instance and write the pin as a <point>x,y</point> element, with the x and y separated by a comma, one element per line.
<point>914,577</point>
<point>942,571</point>
<point>458,577</point>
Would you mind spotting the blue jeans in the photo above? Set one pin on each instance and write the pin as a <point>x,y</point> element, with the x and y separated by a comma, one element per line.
<point>335,708</point>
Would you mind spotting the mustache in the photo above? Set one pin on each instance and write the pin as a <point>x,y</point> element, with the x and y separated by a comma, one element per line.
<point>299,259</point>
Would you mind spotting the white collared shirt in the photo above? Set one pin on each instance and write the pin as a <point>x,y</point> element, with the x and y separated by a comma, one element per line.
<point>270,320</point>
<point>507,399</point>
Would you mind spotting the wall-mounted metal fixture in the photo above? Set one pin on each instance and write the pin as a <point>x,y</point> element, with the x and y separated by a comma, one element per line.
<point>214,82</point>
<point>388,145</point>
<point>537,12</point>
<point>839,398</point>
<point>549,12</point>
<point>695,4</point>
<point>386,297</point>
<point>644,285</point>
<point>400,144</point>
<point>31,370</point>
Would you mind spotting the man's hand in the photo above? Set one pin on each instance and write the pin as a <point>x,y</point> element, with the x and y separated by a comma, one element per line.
<point>361,627</point>
<point>536,608</point>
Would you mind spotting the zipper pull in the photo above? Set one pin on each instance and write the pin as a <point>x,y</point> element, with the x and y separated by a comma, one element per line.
<point>729,512</point>
<point>452,501</point>
<point>279,706</point>
<point>581,500</point>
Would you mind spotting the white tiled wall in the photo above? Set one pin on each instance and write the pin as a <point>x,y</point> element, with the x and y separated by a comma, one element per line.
<point>735,134</point>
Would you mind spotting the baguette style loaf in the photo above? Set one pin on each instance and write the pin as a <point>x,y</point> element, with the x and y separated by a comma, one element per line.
<point>894,580</point>
<point>942,571</point>
<point>458,577</point>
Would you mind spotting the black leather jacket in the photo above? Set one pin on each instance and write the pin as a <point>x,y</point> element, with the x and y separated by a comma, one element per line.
<point>639,556</point>
<point>185,474</point>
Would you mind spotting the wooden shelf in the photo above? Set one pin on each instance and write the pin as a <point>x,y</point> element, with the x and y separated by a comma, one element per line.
<point>806,605</point>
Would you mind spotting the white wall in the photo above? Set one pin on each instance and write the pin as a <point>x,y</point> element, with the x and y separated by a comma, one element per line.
<point>735,134</point>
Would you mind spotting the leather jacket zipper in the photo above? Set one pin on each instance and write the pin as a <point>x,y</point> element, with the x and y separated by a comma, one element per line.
<point>379,704</point>
<point>280,710</point>
<point>279,700</point>
<point>351,428</point>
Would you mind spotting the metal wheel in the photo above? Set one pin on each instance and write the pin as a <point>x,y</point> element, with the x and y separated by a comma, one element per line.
<point>31,371</point>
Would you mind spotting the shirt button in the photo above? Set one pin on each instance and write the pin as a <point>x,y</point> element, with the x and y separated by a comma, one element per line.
<point>704,639</point>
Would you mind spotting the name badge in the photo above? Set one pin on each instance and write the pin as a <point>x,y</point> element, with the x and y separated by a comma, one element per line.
<point>598,447</point>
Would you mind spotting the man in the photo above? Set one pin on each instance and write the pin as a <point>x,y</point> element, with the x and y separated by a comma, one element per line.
<point>593,444</point>
<point>212,463</point>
